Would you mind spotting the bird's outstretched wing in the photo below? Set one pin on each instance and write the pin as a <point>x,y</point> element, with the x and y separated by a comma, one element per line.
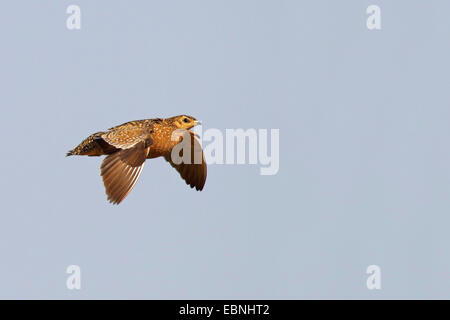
<point>120,170</point>
<point>194,172</point>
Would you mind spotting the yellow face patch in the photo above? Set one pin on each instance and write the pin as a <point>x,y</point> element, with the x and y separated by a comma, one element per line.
<point>185,122</point>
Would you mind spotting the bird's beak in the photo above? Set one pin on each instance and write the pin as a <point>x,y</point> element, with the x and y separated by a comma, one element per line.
<point>196,122</point>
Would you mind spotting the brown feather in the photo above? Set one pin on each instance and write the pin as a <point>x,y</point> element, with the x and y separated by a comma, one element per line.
<point>120,171</point>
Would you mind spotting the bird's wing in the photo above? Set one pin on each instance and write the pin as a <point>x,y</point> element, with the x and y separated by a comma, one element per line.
<point>120,170</point>
<point>193,173</point>
<point>128,135</point>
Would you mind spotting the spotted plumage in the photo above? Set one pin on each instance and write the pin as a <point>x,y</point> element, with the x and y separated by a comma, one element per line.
<point>128,145</point>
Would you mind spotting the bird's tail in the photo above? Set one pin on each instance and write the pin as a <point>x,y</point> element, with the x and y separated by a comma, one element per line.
<point>88,147</point>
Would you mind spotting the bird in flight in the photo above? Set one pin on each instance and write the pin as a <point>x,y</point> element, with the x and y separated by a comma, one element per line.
<point>128,145</point>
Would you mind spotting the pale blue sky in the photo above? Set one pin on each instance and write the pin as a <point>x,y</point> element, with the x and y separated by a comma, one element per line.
<point>364,153</point>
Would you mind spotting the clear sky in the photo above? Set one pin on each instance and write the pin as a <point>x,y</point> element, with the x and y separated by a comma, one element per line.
<point>364,152</point>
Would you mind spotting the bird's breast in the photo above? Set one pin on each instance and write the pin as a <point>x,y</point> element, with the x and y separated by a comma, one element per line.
<point>163,142</point>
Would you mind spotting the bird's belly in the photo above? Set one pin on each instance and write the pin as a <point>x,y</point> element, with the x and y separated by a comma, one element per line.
<point>154,153</point>
<point>159,149</point>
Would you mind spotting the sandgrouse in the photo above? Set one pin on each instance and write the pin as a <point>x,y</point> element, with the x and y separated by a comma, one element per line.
<point>128,145</point>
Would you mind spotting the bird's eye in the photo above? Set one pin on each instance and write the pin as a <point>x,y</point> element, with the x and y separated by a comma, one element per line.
<point>186,120</point>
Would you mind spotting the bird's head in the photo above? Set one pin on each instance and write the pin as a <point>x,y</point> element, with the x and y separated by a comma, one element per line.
<point>185,122</point>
